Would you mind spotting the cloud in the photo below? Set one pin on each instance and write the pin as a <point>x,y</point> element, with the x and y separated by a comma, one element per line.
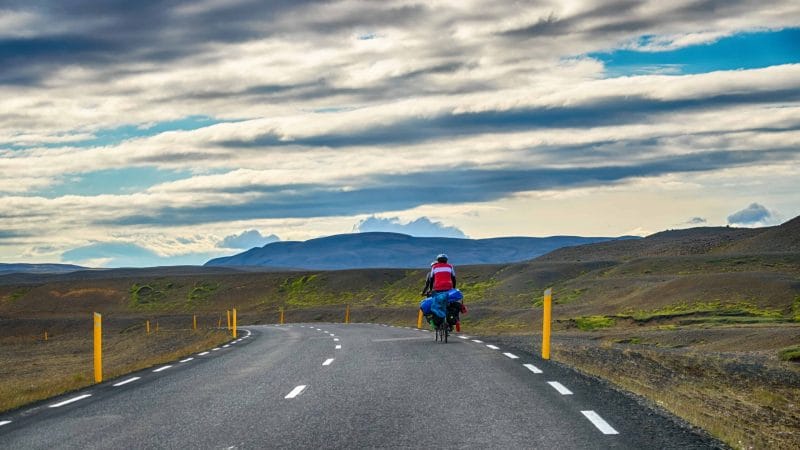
<point>696,221</point>
<point>421,227</point>
<point>247,239</point>
<point>754,215</point>
<point>127,254</point>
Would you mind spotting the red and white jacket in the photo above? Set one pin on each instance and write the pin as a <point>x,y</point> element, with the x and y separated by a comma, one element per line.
<point>443,276</point>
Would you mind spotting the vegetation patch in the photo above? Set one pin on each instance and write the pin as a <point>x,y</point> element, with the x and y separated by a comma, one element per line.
<point>202,291</point>
<point>19,293</point>
<point>476,291</point>
<point>588,323</point>
<point>745,309</point>
<point>790,353</point>
<point>796,309</point>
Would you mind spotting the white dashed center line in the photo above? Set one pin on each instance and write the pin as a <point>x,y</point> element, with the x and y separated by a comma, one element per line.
<point>335,339</point>
<point>4,422</point>
<point>493,347</point>
<point>129,380</point>
<point>598,421</point>
<point>328,362</point>
<point>477,341</point>
<point>203,354</point>
<point>73,399</point>
<point>511,355</point>
<point>186,360</point>
<point>162,368</point>
<point>296,391</point>
<point>338,347</point>
<point>464,337</point>
<point>560,388</point>
<point>532,368</point>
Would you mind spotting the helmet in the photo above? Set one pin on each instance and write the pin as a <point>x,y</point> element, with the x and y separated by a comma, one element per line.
<point>441,257</point>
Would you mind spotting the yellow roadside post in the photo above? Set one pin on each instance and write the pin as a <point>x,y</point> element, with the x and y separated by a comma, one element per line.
<point>347,314</point>
<point>156,326</point>
<point>98,348</point>
<point>419,319</point>
<point>281,319</point>
<point>45,335</point>
<point>194,322</point>
<point>234,322</point>
<point>228,312</point>
<point>219,322</point>
<point>546,317</point>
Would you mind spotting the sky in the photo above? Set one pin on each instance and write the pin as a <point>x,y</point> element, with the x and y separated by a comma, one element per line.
<point>171,132</point>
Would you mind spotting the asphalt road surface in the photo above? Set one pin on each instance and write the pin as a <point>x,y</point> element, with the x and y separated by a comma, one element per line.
<point>347,386</point>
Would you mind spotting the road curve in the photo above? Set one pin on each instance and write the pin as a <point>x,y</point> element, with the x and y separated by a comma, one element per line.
<point>347,386</point>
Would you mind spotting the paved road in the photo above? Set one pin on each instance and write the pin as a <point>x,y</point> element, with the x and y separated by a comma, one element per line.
<point>347,386</point>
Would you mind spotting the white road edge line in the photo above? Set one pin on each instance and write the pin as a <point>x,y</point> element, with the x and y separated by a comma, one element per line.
<point>493,347</point>
<point>477,341</point>
<point>129,380</point>
<point>4,422</point>
<point>560,388</point>
<point>225,346</point>
<point>338,347</point>
<point>186,360</point>
<point>73,399</point>
<point>533,368</point>
<point>203,354</point>
<point>296,391</point>
<point>162,368</point>
<point>214,349</point>
<point>598,421</point>
<point>335,339</point>
<point>511,355</point>
<point>328,362</point>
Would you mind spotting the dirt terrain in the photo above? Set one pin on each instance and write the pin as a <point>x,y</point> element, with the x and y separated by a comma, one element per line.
<point>699,321</point>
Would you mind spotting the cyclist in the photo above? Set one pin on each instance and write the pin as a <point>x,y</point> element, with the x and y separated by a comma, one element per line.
<point>442,278</point>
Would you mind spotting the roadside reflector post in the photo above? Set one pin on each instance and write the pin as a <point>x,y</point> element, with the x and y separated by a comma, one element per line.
<point>194,322</point>
<point>98,348</point>
<point>419,319</point>
<point>234,322</point>
<point>546,318</point>
<point>45,335</point>
<point>347,314</point>
<point>156,326</point>
<point>228,312</point>
<point>282,317</point>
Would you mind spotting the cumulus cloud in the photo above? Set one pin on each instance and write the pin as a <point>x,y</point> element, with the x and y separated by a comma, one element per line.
<point>421,227</point>
<point>696,221</point>
<point>753,215</point>
<point>247,239</point>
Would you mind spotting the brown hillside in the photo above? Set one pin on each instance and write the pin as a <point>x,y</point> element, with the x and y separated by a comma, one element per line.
<point>780,239</point>
<point>692,241</point>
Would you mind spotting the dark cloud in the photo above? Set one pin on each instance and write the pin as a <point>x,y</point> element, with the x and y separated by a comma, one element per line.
<point>247,239</point>
<point>696,221</point>
<point>421,227</point>
<point>126,254</point>
<point>467,184</point>
<point>606,112</point>
<point>752,215</point>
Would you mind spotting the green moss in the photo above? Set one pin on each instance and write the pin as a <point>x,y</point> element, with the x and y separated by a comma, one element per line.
<point>745,309</point>
<point>588,323</point>
<point>200,291</point>
<point>796,309</point>
<point>18,294</point>
<point>790,353</point>
<point>476,291</point>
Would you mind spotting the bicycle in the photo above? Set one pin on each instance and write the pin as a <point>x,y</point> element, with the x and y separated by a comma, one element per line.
<point>442,331</point>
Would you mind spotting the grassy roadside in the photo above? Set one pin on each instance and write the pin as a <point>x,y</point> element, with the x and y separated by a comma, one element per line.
<point>32,369</point>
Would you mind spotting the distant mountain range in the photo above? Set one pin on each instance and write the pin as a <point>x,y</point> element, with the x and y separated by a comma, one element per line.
<point>38,268</point>
<point>394,250</point>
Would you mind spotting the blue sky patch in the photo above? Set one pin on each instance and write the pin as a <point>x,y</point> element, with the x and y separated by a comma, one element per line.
<point>740,51</point>
<point>113,181</point>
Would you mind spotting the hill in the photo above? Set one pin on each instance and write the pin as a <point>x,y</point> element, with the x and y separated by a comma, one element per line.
<point>38,268</point>
<point>381,250</point>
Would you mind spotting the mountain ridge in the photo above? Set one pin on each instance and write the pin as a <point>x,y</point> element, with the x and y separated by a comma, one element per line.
<point>395,250</point>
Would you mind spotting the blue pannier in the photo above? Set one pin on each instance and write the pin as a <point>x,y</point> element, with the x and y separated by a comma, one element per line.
<point>425,305</point>
<point>454,295</point>
<point>439,304</point>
